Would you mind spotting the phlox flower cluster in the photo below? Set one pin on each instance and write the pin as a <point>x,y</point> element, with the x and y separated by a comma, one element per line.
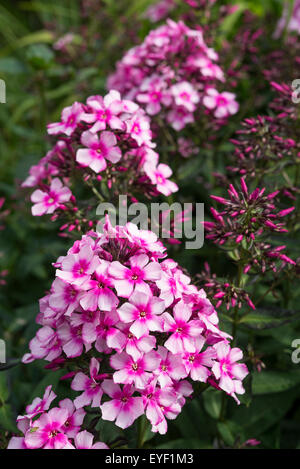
<point>104,141</point>
<point>131,329</point>
<point>174,74</point>
<point>56,428</point>
<point>247,217</point>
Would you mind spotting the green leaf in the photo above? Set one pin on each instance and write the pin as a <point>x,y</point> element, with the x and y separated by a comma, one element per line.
<point>212,401</point>
<point>267,382</point>
<point>269,318</point>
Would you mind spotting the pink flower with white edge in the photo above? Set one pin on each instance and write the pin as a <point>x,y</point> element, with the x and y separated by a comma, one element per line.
<point>142,311</point>
<point>100,329</point>
<point>139,129</point>
<point>104,112</point>
<point>171,368</point>
<point>185,95</point>
<point>224,103</point>
<point>169,411</point>
<point>226,369</point>
<point>99,290</point>
<point>92,391</point>
<point>197,364</point>
<point>122,339</point>
<point>137,372</point>
<point>159,177</point>
<point>72,340</point>
<point>84,440</point>
<point>123,408</point>
<point>64,296</point>
<point>48,202</point>
<point>70,118</point>
<point>126,279</point>
<point>183,331</point>
<point>99,149</point>
<point>48,431</point>
<point>74,420</point>
<point>156,398</point>
<point>44,345</point>
<point>39,405</point>
<point>78,268</point>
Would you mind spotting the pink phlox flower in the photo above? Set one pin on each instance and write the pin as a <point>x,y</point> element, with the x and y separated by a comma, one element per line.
<point>70,118</point>
<point>183,331</point>
<point>131,371</point>
<point>224,103</point>
<point>45,344</point>
<point>99,149</point>
<point>154,399</point>
<point>78,268</point>
<point>72,340</point>
<point>100,330</point>
<point>122,339</point>
<point>185,95</point>
<point>171,368</point>
<point>40,405</point>
<point>99,292</point>
<point>197,364</point>
<point>226,369</point>
<point>143,312</point>
<point>159,176</point>
<point>64,297</point>
<point>104,112</point>
<point>48,431</point>
<point>48,202</point>
<point>74,420</point>
<point>91,386</point>
<point>126,279</point>
<point>123,408</point>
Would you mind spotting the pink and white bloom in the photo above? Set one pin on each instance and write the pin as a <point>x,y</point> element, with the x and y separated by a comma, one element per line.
<point>142,311</point>
<point>197,364</point>
<point>78,268</point>
<point>185,95</point>
<point>226,369</point>
<point>104,112</point>
<point>92,391</point>
<point>99,292</point>
<point>123,408</point>
<point>155,399</point>
<point>70,118</point>
<point>99,149</point>
<point>224,103</point>
<point>48,202</point>
<point>74,420</point>
<point>171,368</point>
<point>126,279</point>
<point>137,372</point>
<point>122,339</point>
<point>48,431</point>
<point>183,331</point>
<point>159,176</point>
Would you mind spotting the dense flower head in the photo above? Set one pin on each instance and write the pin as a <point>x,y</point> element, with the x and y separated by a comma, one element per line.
<point>55,428</point>
<point>175,75</point>
<point>144,332</point>
<point>248,217</point>
<point>107,144</point>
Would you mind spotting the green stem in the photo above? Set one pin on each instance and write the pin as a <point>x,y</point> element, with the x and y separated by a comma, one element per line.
<point>142,429</point>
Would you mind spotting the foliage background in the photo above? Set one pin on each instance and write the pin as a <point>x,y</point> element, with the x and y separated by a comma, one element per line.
<point>38,86</point>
